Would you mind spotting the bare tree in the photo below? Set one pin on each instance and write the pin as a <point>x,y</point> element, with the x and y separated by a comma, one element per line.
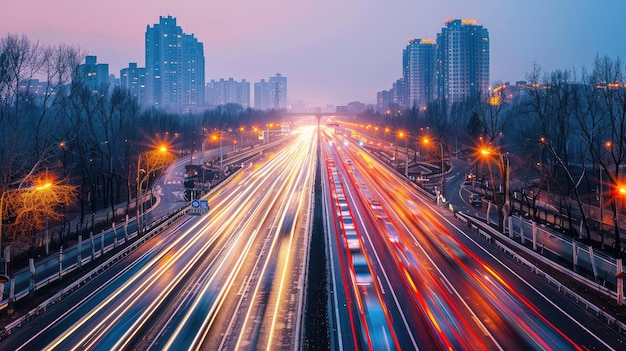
<point>609,96</point>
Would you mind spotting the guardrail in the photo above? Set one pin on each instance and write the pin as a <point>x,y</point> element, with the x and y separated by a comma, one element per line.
<point>166,221</point>
<point>152,229</point>
<point>503,242</point>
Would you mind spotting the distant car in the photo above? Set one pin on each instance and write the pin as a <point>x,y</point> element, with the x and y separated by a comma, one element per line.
<point>361,269</point>
<point>475,199</point>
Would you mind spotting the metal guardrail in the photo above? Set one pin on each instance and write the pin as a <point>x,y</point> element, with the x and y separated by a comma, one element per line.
<point>490,234</point>
<point>165,222</point>
<point>153,229</point>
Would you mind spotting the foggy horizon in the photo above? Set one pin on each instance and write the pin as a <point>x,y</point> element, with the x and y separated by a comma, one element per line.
<point>331,53</point>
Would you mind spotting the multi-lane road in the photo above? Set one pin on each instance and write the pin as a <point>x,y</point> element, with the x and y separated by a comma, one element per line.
<point>436,286</point>
<point>402,274</point>
<point>230,279</point>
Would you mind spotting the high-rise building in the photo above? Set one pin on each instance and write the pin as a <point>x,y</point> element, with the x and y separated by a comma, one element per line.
<point>271,94</point>
<point>133,78</point>
<point>419,70</point>
<point>262,95</point>
<point>463,60</point>
<point>94,76</point>
<point>174,67</point>
<point>278,91</point>
<point>228,92</point>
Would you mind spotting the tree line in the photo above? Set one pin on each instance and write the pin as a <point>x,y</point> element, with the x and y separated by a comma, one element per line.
<point>567,126</point>
<point>88,141</point>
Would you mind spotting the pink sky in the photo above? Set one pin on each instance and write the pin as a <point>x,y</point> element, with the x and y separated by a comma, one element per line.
<point>331,51</point>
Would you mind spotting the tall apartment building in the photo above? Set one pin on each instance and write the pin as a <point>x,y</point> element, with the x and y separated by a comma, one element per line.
<point>271,94</point>
<point>278,91</point>
<point>262,95</point>
<point>419,71</point>
<point>174,67</point>
<point>133,78</point>
<point>463,60</point>
<point>95,76</point>
<point>228,92</point>
<point>384,100</point>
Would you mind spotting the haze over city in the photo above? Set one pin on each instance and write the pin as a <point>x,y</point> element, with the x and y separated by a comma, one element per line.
<point>333,52</point>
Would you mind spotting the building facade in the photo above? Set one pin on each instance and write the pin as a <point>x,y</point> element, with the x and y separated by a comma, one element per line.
<point>133,79</point>
<point>93,75</point>
<point>262,95</point>
<point>278,91</point>
<point>462,60</point>
<point>271,94</point>
<point>419,71</point>
<point>174,67</point>
<point>229,91</point>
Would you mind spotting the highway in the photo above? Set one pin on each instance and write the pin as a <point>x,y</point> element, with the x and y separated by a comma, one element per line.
<point>402,274</point>
<point>233,277</point>
<point>438,288</point>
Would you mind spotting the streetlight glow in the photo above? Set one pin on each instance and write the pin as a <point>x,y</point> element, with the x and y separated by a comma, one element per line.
<point>44,186</point>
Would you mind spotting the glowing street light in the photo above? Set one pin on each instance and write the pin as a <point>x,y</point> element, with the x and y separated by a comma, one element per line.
<point>504,168</point>
<point>401,134</point>
<point>427,141</point>
<point>154,160</point>
<point>32,201</point>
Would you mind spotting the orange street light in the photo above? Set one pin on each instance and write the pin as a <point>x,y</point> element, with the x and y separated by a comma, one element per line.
<point>504,167</point>
<point>154,159</point>
<point>427,141</point>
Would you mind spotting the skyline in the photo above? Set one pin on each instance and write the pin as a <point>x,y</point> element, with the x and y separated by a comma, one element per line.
<point>332,53</point>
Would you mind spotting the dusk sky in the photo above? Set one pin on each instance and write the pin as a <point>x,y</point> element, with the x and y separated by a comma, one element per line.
<point>331,51</point>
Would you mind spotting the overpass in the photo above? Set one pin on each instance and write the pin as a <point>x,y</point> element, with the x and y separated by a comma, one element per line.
<point>314,114</point>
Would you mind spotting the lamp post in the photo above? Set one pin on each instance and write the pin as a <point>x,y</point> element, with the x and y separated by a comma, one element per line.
<point>154,159</point>
<point>221,136</point>
<point>607,146</point>
<point>241,130</point>
<point>386,132</point>
<point>406,149</point>
<point>139,199</point>
<point>504,167</point>
<point>2,197</point>
<point>443,173</point>
<point>8,265</point>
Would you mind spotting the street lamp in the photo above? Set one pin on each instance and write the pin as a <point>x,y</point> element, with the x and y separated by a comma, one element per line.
<point>621,193</point>
<point>8,266</point>
<point>427,141</point>
<point>12,191</point>
<point>504,167</point>
<point>241,130</point>
<point>154,159</point>
<point>406,148</point>
<point>221,136</point>
<point>607,145</point>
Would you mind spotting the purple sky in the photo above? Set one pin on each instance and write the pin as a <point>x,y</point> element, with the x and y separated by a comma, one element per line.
<point>331,51</point>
